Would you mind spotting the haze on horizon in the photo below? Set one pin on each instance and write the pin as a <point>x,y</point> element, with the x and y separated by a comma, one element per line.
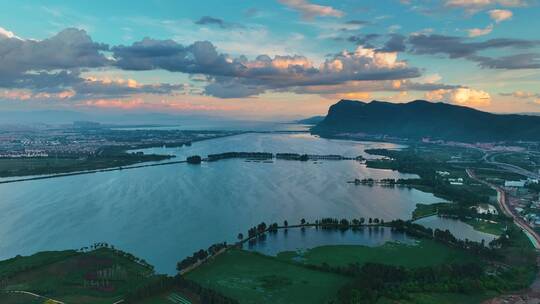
<point>266,60</point>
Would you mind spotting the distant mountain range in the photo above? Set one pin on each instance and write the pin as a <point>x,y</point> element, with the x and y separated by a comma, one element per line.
<point>420,119</point>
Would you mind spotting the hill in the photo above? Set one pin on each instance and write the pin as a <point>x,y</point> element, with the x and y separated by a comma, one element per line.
<point>420,119</point>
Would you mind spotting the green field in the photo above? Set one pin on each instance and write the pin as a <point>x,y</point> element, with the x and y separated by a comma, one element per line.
<point>99,276</point>
<point>442,298</point>
<point>255,278</point>
<point>423,210</point>
<point>487,227</point>
<point>424,253</point>
<point>10,298</point>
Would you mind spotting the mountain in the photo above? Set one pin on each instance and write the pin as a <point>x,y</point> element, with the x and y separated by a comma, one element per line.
<point>419,119</point>
<point>311,120</point>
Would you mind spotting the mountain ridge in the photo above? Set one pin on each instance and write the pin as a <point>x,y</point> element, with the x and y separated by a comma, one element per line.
<point>424,119</point>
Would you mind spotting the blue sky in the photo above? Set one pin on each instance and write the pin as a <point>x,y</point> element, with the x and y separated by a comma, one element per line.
<point>266,59</point>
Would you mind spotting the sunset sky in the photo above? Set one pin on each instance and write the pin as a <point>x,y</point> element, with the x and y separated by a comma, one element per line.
<point>267,59</point>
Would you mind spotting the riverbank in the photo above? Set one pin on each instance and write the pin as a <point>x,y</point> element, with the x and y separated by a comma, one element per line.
<point>113,157</point>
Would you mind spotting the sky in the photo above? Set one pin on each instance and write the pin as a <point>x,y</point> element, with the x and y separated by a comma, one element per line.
<point>268,59</point>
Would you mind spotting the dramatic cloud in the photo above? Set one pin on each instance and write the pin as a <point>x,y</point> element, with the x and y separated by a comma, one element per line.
<point>310,11</point>
<point>240,77</point>
<point>475,32</point>
<point>461,96</point>
<point>499,15</point>
<point>71,48</point>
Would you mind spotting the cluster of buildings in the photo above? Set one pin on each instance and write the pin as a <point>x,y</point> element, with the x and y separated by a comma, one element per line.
<point>455,181</point>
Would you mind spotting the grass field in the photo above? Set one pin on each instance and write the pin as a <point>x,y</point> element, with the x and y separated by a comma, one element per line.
<point>442,298</point>
<point>487,227</point>
<point>99,276</point>
<point>423,210</point>
<point>253,278</point>
<point>9,298</point>
<point>424,253</point>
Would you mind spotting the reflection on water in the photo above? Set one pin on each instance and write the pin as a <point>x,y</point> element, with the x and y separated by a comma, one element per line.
<point>298,240</point>
<point>458,228</point>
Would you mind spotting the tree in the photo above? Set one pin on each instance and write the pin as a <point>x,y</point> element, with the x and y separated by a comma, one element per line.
<point>370,220</point>
<point>240,236</point>
<point>303,221</point>
<point>285,223</point>
<point>195,160</point>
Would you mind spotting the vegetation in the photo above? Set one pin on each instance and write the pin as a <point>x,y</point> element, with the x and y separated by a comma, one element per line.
<point>253,278</point>
<point>422,119</point>
<point>195,159</point>
<point>52,165</point>
<point>102,275</point>
<point>424,253</point>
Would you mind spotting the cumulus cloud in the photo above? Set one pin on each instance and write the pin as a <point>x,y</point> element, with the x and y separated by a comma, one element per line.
<point>71,48</point>
<point>461,96</point>
<point>310,10</point>
<point>476,32</point>
<point>239,76</point>
<point>499,15</point>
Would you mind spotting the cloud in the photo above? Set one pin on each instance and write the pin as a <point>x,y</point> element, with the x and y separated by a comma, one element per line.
<point>511,62</point>
<point>364,39</point>
<point>457,47</point>
<point>310,11</point>
<point>473,6</point>
<point>357,22</point>
<point>396,43</point>
<point>522,94</point>
<point>461,96</point>
<point>476,32</point>
<point>5,34</point>
<point>239,77</point>
<point>71,48</point>
<point>499,15</point>
<point>207,20</point>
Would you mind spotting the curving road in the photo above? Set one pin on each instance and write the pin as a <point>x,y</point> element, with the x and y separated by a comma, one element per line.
<point>501,196</point>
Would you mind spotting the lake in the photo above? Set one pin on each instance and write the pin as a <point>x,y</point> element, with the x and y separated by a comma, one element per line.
<point>296,239</point>
<point>165,213</point>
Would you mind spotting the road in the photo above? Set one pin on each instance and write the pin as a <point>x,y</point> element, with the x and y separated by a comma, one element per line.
<point>490,159</point>
<point>501,196</point>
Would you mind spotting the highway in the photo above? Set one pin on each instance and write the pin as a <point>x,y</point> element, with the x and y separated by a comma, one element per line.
<point>490,159</point>
<point>501,196</point>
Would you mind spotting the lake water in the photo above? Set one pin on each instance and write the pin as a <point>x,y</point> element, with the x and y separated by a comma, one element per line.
<point>165,213</point>
<point>296,239</point>
<point>457,228</point>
